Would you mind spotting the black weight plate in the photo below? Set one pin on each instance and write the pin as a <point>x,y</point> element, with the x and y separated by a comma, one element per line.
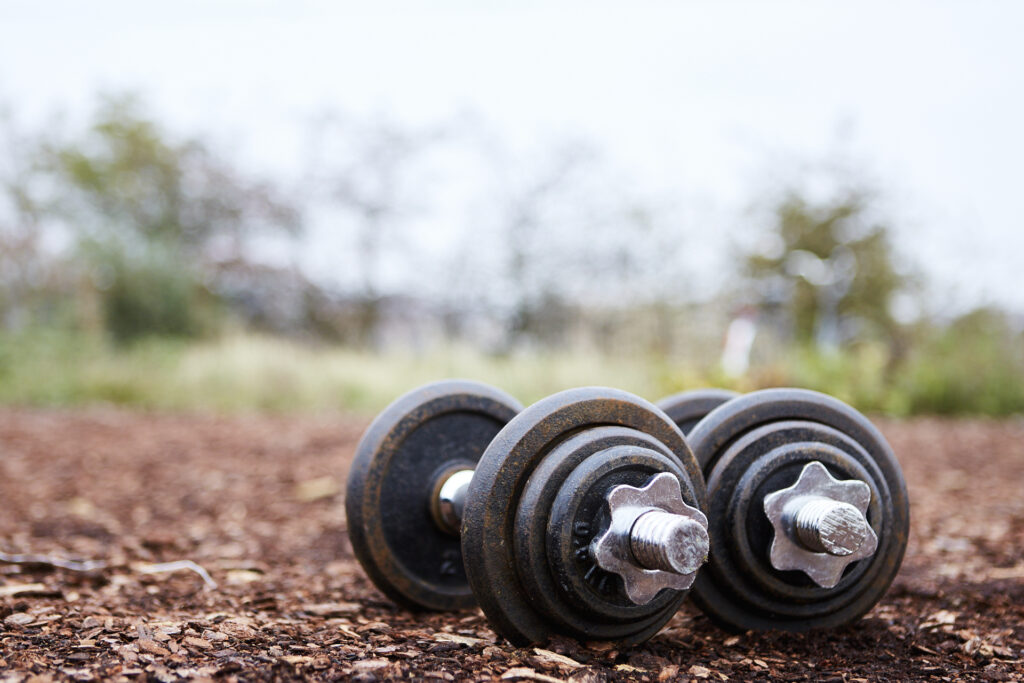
<point>562,511</point>
<point>488,523</point>
<point>428,431</point>
<point>766,459</point>
<point>687,408</point>
<point>758,443</point>
<point>596,595</point>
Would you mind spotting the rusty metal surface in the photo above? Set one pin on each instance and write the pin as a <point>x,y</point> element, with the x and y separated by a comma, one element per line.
<point>758,444</point>
<point>438,428</point>
<point>560,512</point>
<point>687,408</point>
<point>489,522</point>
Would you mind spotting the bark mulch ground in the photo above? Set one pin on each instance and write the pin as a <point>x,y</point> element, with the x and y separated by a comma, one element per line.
<point>257,503</point>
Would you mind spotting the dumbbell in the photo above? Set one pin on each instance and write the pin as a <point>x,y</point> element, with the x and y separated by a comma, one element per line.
<point>808,508</point>
<point>581,515</point>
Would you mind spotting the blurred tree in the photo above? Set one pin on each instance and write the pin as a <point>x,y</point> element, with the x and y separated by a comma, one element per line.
<point>539,310</point>
<point>369,172</point>
<point>127,179</point>
<point>576,246</point>
<point>29,277</point>
<point>829,267</point>
<point>157,220</point>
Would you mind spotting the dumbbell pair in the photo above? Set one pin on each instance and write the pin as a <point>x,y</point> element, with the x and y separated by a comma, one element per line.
<point>587,514</point>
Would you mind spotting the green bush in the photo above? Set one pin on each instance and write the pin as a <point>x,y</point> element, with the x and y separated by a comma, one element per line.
<point>975,366</point>
<point>153,292</point>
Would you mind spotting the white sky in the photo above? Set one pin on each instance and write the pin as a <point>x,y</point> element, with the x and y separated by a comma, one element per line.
<point>700,99</point>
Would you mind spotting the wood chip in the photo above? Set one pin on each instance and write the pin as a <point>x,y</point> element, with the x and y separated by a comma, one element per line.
<point>523,673</point>
<point>699,671</point>
<point>153,648</point>
<point>461,640</point>
<point>555,659</point>
<point>19,588</point>
<point>19,619</point>
<point>236,629</point>
<point>371,664</point>
<point>669,673</point>
<point>317,489</point>
<point>333,609</point>
<point>941,618</point>
<point>236,577</point>
<point>626,668</point>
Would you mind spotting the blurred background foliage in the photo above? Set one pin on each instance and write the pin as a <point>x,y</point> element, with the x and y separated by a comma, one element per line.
<point>142,268</point>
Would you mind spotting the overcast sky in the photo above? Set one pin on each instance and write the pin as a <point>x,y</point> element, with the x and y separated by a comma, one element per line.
<point>701,98</point>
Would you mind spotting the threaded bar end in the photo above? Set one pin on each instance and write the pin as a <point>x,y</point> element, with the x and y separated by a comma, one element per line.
<point>668,542</point>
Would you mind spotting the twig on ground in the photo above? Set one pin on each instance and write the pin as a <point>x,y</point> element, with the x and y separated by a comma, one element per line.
<point>51,561</point>
<point>177,566</point>
<point>27,559</point>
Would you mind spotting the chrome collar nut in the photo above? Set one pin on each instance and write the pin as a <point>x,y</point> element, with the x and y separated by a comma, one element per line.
<point>820,525</point>
<point>654,540</point>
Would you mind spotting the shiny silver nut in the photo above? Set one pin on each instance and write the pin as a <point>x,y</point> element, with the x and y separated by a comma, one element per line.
<point>654,540</point>
<point>820,525</point>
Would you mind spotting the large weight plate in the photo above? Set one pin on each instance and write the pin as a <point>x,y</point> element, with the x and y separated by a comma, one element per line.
<point>759,443</point>
<point>687,408</point>
<point>432,430</point>
<point>496,498</point>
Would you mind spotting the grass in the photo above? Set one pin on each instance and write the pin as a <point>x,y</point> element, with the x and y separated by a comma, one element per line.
<point>258,373</point>
<point>246,373</point>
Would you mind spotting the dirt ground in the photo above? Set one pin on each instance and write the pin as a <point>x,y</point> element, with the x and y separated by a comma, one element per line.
<point>257,503</point>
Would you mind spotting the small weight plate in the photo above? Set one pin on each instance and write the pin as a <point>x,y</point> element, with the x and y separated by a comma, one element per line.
<point>759,443</point>
<point>687,408</point>
<point>495,502</point>
<point>405,452</point>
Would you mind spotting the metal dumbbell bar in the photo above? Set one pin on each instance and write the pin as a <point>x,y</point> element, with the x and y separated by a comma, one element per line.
<point>654,539</point>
